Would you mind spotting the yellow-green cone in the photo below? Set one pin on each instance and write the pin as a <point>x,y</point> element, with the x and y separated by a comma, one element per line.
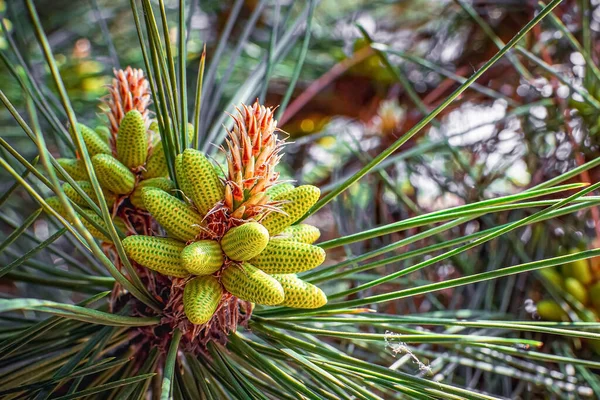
<point>132,140</point>
<point>93,142</point>
<point>201,298</point>
<point>594,294</point>
<point>161,183</point>
<point>89,190</point>
<point>54,203</point>
<point>182,181</point>
<point>295,203</point>
<point>302,233</point>
<point>202,258</point>
<point>300,294</point>
<point>579,270</point>
<point>550,310</point>
<point>245,241</point>
<point>157,163</point>
<point>553,276</point>
<point>74,167</point>
<point>276,190</point>
<point>577,290</point>
<point>112,174</point>
<point>251,284</point>
<point>178,218</point>
<point>104,133</point>
<point>206,189</point>
<point>156,253</point>
<point>288,257</point>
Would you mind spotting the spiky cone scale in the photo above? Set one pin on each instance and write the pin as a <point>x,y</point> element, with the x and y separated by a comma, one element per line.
<point>156,253</point>
<point>206,189</point>
<point>74,167</point>
<point>132,140</point>
<point>54,203</point>
<point>129,91</point>
<point>550,310</point>
<point>160,183</point>
<point>302,233</point>
<point>251,284</point>
<point>294,204</point>
<point>93,142</point>
<point>300,294</point>
<point>245,241</point>
<point>283,256</point>
<point>203,257</point>
<point>201,297</point>
<point>156,166</point>
<point>253,153</point>
<point>86,186</point>
<point>182,181</point>
<point>178,218</point>
<point>112,174</point>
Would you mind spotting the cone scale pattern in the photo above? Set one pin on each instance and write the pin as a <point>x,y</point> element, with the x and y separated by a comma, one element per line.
<point>234,232</point>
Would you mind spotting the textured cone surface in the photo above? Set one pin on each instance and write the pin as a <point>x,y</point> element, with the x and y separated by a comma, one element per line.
<point>288,257</point>
<point>550,310</point>
<point>89,190</point>
<point>245,241</point>
<point>156,253</point>
<point>300,294</point>
<point>577,290</point>
<point>251,284</point>
<point>75,168</point>
<point>202,258</point>
<point>579,270</point>
<point>302,233</point>
<point>54,202</point>
<point>296,203</point>
<point>129,90</point>
<point>157,163</point>
<point>179,219</point>
<point>104,133</point>
<point>206,190</point>
<point>93,142</point>
<point>113,175</point>
<point>201,298</point>
<point>132,140</point>
<point>182,181</point>
<point>279,189</point>
<point>161,183</point>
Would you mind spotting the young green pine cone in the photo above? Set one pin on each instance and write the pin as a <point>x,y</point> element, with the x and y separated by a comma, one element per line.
<point>158,254</point>
<point>288,257</point>
<point>93,142</point>
<point>278,189</point>
<point>206,189</point>
<point>300,294</point>
<point>550,310</point>
<point>579,270</point>
<point>178,218</point>
<point>201,298</point>
<point>182,181</point>
<point>577,290</point>
<point>89,190</point>
<point>74,167</point>
<point>157,163</point>
<point>302,233</point>
<point>294,204</point>
<point>202,258</point>
<point>104,133</point>
<point>113,175</point>
<point>160,183</point>
<point>245,241</point>
<point>54,203</point>
<point>251,284</point>
<point>132,140</point>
